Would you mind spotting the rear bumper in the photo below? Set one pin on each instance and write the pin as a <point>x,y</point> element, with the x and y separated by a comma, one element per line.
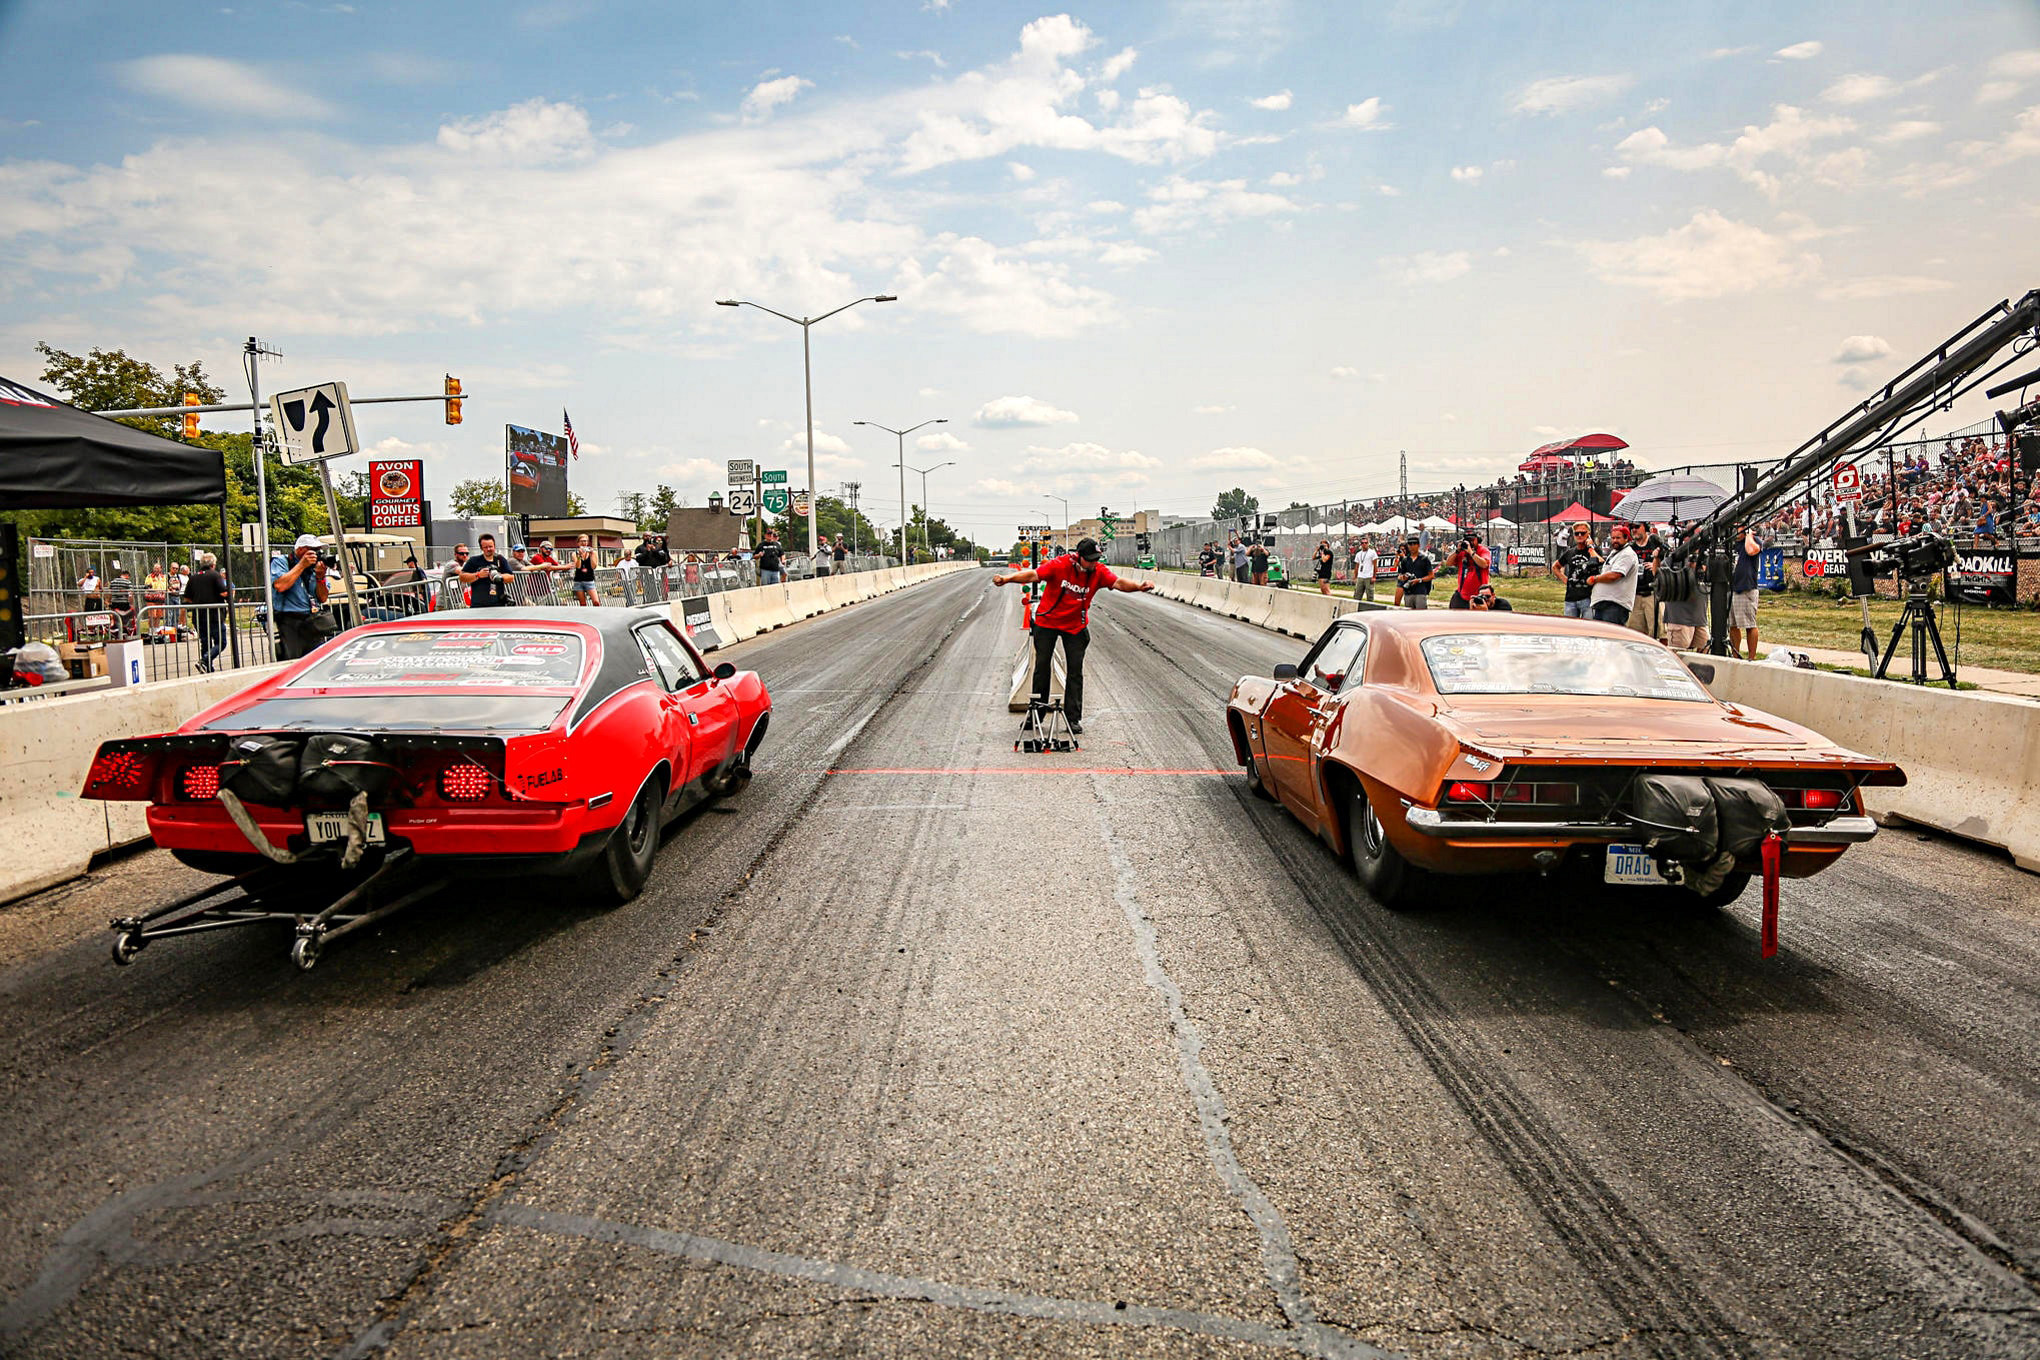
<point>522,832</point>
<point>1441,826</point>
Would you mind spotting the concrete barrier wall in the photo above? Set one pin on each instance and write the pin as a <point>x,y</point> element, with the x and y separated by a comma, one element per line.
<point>46,750</point>
<point>47,745</point>
<point>1972,761</point>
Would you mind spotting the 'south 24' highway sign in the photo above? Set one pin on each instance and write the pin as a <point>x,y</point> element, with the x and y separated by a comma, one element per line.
<point>313,424</point>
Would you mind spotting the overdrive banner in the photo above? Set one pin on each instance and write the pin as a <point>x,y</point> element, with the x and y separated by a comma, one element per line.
<point>396,494</point>
<point>537,472</point>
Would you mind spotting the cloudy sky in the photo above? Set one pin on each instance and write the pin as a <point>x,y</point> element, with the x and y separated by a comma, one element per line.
<point>1142,250</point>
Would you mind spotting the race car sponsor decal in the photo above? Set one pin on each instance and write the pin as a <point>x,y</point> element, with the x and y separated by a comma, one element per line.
<point>507,658</point>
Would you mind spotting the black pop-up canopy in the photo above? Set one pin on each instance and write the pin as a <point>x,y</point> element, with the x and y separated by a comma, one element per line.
<point>57,457</point>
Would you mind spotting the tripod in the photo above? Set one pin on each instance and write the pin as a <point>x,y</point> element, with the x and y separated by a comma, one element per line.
<point>1918,616</point>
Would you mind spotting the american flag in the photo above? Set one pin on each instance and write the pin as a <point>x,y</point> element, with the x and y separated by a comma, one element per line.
<point>573,440</point>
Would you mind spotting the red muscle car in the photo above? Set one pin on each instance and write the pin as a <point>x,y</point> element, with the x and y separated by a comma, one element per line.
<point>1460,742</point>
<point>492,740</point>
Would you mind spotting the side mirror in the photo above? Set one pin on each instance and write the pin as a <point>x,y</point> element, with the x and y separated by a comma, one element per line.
<point>725,671</point>
<point>1702,671</point>
<point>1285,671</point>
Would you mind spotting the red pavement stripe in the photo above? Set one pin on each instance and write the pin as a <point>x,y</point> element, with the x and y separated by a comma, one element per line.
<point>1026,769</point>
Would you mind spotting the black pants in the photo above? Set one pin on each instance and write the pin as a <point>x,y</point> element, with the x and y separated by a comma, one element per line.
<point>295,636</point>
<point>1073,657</point>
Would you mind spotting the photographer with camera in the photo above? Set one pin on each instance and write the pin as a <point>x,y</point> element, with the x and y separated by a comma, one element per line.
<point>297,587</point>
<point>1414,572</point>
<point>1742,585</point>
<point>1474,566</point>
<point>1257,562</point>
<point>487,575</point>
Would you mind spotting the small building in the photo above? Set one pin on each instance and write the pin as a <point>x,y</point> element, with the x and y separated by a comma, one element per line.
<point>605,532</point>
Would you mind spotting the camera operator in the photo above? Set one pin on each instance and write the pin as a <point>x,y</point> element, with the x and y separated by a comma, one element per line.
<point>1742,585</point>
<point>1414,573</point>
<point>1615,588</point>
<point>1257,562</point>
<point>1321,564</point>
<point>1486,599</point>
<point>1473,564</point>
<point>297,586</point>
<point>487,575</point>
<point>1576,564</point>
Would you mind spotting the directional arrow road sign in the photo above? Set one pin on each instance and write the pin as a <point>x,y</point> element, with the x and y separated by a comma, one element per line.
<point>313,424</point>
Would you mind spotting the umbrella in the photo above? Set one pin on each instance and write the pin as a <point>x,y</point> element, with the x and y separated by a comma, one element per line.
<point>1578,514</point>
<point>1670,496</point>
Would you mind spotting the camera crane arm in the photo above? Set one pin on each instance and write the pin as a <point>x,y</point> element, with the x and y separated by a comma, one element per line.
<point>1934,380</point>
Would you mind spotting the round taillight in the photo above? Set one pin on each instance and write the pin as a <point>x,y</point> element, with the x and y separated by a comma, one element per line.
<point>1821,800</point>
<point>465,783</point>
<point>199,783</point>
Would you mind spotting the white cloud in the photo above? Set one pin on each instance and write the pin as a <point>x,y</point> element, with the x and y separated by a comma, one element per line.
<point>1612,172</point>
<point>1709,257</point>
<point>1804,51</point>
<point>1907,130</point>
<point>1860,89</point>
<point>997,292</point>
<point>1718,53</point>
<point>692,472</point>
<point>1210,410</point>
<point>796,443</point>
<point>1241,459</point>
<point>1465,174</point>
<point>1430,266</point>
<point>1016,169</point>
<point>1000,487</point>
<point>768,95</point>
<point>1179,203</point>
<point>218,85</point>
<point>926,392</point>
<point>1874,286</point>
<point>1005,413</point>
<point>2021,65</point>
<point>1119,253</point>
<point>1388,191</point>
<point>532,133</point>
<point>1104,205</point>
<point>1790,136</point>
<point>1274,103</point>
<point>1344,371</point>
<point>1996,91</point>
<point>1366,115</point>
<point>1563,94</point>
<point>1117,66</point>
<point>1861,348</point>
<point>924,55</point>
<point>1087,467</point>
<point>939,441</point>
<point>1857,378</point>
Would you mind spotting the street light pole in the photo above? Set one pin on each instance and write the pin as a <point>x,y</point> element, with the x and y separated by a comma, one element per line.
<point>925,516</point>
<point>901,435</point>
<point>1066,517</point>
<point>807,374</point>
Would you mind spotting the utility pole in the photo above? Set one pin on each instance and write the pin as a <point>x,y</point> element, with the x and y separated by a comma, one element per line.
<point>252,355</point>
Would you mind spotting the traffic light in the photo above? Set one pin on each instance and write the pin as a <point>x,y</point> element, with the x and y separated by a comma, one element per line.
<point>452,400</point>
<point>191,421</point>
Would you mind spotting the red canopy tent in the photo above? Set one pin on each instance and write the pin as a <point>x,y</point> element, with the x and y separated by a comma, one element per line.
<point>1561,453</point>
<point>1579,514</point>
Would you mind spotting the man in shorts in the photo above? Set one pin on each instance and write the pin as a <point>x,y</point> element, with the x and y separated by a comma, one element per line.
<point>1742,599</point>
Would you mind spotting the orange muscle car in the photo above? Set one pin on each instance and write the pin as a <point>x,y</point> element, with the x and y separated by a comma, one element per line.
<point>1457,742</point>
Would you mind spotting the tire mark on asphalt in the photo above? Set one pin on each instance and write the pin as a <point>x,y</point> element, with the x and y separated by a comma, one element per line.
<point>481,1209</point>
<point>1640,1279</point>
<point>1278,1252</point>
<point>875,1284</point>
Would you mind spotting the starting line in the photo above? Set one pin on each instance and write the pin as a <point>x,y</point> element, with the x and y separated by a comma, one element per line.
<point>1027,769</point>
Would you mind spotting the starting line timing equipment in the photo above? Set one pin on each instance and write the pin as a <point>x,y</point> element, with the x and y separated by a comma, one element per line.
<point>1046,729</point>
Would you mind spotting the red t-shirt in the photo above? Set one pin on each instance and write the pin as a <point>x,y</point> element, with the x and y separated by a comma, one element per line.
<point>1066,596</point>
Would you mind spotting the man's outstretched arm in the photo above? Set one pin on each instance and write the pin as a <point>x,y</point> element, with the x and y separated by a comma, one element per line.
<point>1026,577</point>
<point>1131,587</point>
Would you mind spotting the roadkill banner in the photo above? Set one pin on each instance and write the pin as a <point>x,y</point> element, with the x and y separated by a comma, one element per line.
<point>699,623</point>
<point>1985,576</point>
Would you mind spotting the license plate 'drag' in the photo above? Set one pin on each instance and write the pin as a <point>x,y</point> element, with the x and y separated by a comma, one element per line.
<point>325,827</point>
<point>1631,864</point>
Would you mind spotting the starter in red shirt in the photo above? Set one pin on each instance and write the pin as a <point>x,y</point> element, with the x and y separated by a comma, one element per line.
<point>1066,593</point>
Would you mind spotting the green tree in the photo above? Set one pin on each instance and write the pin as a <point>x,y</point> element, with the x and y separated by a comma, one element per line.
<point>478,496</point>
<point>658,510</point>
<point>1234,503</point>
<point>109,380</point>
<point>575,505</point>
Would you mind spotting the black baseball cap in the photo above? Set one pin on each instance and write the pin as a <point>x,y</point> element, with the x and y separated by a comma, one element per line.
<point>1087,549</point>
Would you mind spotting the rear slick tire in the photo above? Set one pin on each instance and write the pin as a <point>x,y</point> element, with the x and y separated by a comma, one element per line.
<point>627,859</point>
<point>1732,887</point>
<point>1255,784</point>
<point>1389,879</point>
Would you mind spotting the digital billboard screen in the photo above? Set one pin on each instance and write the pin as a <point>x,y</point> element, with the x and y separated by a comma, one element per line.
<point>537,472</point>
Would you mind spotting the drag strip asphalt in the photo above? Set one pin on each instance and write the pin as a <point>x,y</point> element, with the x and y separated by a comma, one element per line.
<point>921,1046</point>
